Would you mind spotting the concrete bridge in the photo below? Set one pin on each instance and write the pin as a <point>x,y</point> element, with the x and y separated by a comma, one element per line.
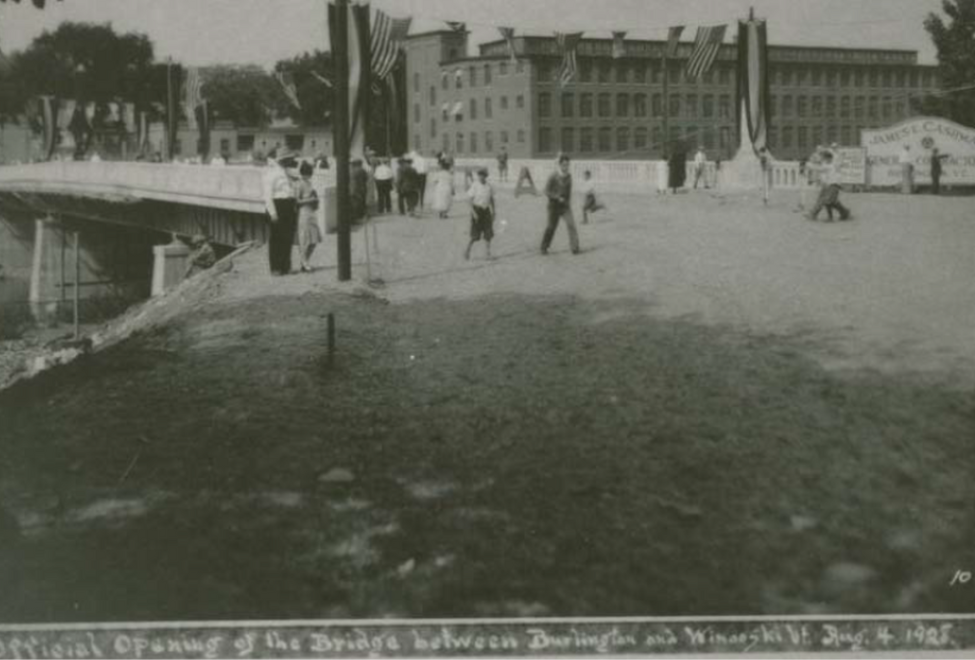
<point>125,216</point>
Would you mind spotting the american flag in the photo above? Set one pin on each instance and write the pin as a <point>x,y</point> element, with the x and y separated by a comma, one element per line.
<point>508,34</point>
<point>567,42</point>
<point>322,79</point>
<point>619,49</point>
<point>673,39</point>
<point>706,48</point>
<point>387,36</point>
<point>194,96</point>
<point>288,85</point>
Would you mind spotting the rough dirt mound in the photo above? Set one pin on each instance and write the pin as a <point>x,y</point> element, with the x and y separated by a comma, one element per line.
<point>190,295</point>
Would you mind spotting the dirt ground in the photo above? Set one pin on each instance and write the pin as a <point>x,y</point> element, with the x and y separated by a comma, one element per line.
<point>717,408</point>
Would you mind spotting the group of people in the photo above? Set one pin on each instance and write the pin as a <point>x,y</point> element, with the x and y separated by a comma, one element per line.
<point>907,170</point>
<point>821,172</point>
<point>291,204</point>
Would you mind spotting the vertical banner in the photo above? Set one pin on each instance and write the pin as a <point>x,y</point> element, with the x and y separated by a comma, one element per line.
<point>567,43</point>
<point>49,119</point>
<point>673,41</point>
<point>753,84</point>
<point>508,34</point>
<point>202,113</point>
<point>359,73</point>
<point>172,109</point>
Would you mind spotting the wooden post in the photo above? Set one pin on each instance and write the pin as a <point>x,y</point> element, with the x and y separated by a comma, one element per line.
<point>77,284</point>
<point>340,56</point>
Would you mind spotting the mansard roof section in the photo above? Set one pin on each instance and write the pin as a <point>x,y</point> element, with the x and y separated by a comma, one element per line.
<point>532,46</point>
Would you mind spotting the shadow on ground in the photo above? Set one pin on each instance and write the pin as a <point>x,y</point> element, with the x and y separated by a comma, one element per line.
<point>502,456</point>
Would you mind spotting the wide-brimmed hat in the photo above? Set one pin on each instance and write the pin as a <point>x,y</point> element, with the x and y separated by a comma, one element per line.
<point>287,158</point>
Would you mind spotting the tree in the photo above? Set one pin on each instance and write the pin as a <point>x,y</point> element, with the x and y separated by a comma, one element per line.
<point>245,95</point>
<point>306,70</point>
<point>955,42</point>
<point>82,61</point>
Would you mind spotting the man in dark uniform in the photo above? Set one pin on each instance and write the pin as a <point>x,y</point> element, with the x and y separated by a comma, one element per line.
<point>936,158</point>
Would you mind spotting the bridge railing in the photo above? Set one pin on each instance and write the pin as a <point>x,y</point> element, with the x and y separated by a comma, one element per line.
<point>620,175</point>
<point>230,188</point>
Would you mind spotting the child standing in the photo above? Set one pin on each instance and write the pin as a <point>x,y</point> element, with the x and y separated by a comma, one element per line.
<point>481,195</point>
<point>590,204</point>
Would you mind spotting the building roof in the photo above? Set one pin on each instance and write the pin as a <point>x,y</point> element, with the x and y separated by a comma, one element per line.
<point>524,43</point>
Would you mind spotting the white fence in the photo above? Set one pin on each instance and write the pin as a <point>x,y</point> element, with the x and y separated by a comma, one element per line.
<point>622,175</point>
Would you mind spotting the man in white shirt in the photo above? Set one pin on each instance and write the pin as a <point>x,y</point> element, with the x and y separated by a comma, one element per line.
<point>384,186</point>
<point>700,166</point>
<point>282,211</point>
<point>907,170</point>
<point>420,165</point>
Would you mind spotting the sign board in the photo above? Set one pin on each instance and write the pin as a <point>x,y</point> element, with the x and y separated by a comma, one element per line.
<point>851,165</point>
<point>922,135</point>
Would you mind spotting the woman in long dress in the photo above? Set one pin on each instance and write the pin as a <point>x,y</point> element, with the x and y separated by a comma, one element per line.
<point>443,194</point>
<point>309,234</point>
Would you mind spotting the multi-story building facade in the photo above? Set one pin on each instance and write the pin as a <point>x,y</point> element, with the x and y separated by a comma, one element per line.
<point>615,108</point>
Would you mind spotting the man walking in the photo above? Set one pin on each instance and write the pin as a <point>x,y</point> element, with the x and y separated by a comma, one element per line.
<point>559,193</point>
<point>503,164</point>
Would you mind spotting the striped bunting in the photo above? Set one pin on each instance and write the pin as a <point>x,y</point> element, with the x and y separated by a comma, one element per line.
<point>194,96</point>
<point>568,43</point>
<point>706,48</point>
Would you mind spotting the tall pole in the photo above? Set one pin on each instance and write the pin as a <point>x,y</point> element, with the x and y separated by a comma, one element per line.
<point>169,109</point>
<point>340,128</point>
<point>666,107</point>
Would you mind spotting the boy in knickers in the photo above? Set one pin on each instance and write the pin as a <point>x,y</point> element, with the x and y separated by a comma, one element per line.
<point>481,195</point>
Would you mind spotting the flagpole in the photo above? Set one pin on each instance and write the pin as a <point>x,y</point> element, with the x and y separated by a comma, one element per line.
<point>340,129</point>
<point>666,108</point>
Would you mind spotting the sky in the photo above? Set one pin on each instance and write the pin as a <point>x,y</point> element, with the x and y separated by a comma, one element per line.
<point>203,32</point>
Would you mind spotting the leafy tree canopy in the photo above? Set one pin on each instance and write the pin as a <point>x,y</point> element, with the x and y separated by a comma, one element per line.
<point>955,41</point>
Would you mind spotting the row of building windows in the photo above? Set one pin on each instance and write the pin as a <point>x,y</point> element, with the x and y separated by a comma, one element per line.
<point>641,138</point>
<point>471,109</point>
<point>694,106</point>
<point>634,105</point>
<point>475,74</point>
<point>468,143</point>
<point>622,139</point>
<point>721,73</point>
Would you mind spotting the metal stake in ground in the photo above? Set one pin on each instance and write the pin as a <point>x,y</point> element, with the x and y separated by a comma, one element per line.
<point>331,338</point>
<point>77,284</point>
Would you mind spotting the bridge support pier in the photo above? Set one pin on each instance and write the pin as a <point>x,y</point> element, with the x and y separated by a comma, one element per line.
<point>169,264</point>
<point>46,272</point>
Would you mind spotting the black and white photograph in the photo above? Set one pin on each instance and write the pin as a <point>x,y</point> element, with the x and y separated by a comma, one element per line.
<point>486,328</point>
